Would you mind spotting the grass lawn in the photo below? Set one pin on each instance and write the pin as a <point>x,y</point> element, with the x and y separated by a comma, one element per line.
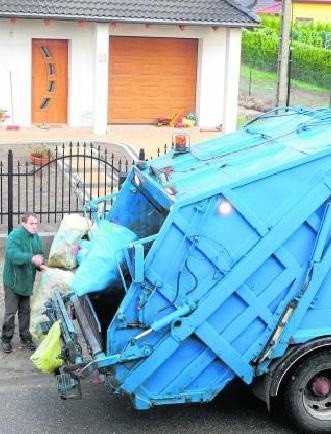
<point>268,78</point>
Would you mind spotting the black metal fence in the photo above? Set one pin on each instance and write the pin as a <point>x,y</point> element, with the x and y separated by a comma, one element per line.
<point>71,175</point>
<point>254,84</point>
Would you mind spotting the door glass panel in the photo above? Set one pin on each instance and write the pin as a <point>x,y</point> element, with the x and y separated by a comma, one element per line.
<point>46,52</point>
<point>51,68</point>
<point>45,103</point>
<point>51,86</point>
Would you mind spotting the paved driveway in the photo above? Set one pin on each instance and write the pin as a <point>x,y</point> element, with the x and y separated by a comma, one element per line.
<point>149,137</point>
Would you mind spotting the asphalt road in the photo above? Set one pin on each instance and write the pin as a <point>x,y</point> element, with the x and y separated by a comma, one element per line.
<point>30,405</point>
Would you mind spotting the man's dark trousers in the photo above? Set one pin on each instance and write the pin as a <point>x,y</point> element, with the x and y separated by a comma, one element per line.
<point>16,303</point>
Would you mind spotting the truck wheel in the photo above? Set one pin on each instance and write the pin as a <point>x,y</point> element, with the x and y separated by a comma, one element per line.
<point>307,394</point>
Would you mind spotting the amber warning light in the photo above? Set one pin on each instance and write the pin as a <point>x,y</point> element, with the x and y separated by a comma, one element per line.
<point>181,143</point>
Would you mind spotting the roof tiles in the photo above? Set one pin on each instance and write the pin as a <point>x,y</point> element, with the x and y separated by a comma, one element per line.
<point>196,12</point>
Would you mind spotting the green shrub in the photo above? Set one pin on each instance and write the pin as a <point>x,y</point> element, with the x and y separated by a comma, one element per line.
<point>311,64</point>
<point>307,33</point>
<point>259,49</point>
<point>310,61</point>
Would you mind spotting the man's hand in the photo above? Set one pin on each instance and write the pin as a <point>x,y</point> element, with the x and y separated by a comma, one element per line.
<point>37,260</point>
<point>42,267</point>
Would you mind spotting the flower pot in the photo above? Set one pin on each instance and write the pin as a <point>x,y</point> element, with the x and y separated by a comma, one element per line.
<point>39,160</point>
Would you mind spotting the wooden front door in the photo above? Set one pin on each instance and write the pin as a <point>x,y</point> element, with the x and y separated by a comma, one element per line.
<point>49,80</point>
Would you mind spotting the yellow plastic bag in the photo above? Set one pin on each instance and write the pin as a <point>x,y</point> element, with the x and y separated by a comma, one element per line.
<point>46,357</point>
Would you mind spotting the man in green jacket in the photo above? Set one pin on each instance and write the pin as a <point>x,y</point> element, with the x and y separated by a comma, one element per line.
<point>24,255</point>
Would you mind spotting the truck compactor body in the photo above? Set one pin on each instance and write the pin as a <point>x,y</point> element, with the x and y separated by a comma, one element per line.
<point>229,274</point>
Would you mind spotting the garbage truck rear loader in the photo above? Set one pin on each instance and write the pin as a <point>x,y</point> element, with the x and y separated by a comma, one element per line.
<point>229,275</point>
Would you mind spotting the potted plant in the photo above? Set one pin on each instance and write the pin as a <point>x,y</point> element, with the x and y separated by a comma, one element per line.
<point>40,154</point>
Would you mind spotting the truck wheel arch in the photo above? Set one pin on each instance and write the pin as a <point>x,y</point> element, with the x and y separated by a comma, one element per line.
<point>269,386</point>
<point>295,355</point>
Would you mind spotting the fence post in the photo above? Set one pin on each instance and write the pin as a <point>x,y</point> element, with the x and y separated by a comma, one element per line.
<point>289,77</point>
<point>250,79</point>
<point>10,190</point>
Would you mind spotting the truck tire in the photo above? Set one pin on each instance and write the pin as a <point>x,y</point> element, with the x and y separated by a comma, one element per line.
<point>307,394</point>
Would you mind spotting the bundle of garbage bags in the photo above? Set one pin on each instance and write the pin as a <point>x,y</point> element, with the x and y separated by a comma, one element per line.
<point>98,259</point>
<point>64,249</point>
<point>61,263</point>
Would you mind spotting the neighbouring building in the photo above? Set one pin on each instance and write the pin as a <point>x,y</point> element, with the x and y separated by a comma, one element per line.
<point>303,11</point>
<point>96,62</point>
<point>268,7</point>
<point>312,11</point>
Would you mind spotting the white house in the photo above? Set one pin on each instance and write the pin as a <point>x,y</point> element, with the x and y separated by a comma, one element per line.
<point>94,63</point>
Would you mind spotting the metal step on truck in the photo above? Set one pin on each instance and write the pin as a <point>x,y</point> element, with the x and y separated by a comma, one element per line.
<point>229,274</point>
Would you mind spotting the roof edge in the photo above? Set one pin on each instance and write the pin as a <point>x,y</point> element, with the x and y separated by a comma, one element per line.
<point>99,19</point>
<point>245,10</point>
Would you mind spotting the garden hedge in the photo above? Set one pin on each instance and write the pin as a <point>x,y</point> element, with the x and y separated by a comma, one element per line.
<point>310,63</point>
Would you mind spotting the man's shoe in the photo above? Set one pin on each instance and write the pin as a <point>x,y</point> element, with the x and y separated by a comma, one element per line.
<point>6,347</point>
<point>29,345</point>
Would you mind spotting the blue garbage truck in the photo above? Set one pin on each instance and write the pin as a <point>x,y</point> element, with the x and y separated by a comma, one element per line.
<point>227,274</point>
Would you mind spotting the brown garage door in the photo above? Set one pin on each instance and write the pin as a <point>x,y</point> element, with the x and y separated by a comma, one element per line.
<point>150,78</point>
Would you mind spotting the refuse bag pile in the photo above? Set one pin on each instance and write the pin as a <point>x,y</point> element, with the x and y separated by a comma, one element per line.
<point>98,260</point>
<point>61,263</point>
<point>60,271</point>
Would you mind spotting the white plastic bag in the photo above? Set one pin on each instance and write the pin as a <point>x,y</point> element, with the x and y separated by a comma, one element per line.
<point>63,253</point>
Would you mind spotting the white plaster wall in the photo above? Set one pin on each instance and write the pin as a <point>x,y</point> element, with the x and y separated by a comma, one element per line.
<point>101,62</point>
<point>210,94</point>
<point>15,50</point>
<point>81,77</point>
<point>15,58</point>
<point>217,75</point>
<point>231,79</point>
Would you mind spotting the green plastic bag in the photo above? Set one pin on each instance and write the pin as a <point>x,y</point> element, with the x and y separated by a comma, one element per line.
<point>46,357</point>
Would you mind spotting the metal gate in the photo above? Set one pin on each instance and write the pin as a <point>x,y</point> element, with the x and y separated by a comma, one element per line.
<point>71,175</point>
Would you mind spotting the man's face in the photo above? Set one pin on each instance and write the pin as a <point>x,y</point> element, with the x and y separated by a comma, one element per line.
<point>31,225</point>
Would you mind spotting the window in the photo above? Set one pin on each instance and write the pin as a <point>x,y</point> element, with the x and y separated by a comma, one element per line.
<point>304,20</point>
